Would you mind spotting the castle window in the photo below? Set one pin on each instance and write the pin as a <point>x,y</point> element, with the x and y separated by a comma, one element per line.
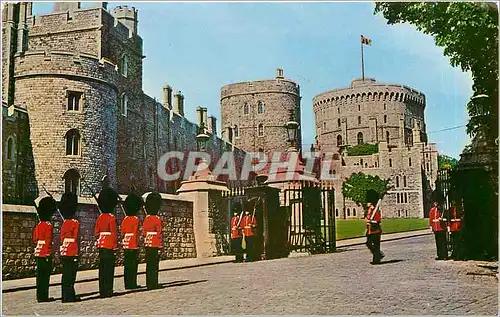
<point>336,212</point>
<point>324,125</point>
<point>246,109</point>
<point>338,122</point>
<point>361,162</point>
<point>390,162</point>
<point>404,180</point>
<point>9,148</point>
<point>74,100</point>
<point>406,211</point>
<point>360,138</point>
<point>359,119</point>
<point>397,198</point>
<point>397,181</point>
<point>235,131</point>
<point>427,167</point>
<point>124,64</point>
<point>385,117</point>
<point>359,108</point>
<point>124,105</point>
<point>387,136</point>
<point>348,212</point>
<point>399,213</point>
<point>261,129</point>
<point>260,107</point>
<point>409,161</point>
<point>72,181</point>
<point>406,198</point>
<point>338,109</point>
<point>354,212</point>
<point>385,107</point>
<point>73,142</point>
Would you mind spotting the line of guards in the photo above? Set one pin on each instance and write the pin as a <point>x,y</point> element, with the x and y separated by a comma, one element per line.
<point>443,223</point>
<point>106,232</point>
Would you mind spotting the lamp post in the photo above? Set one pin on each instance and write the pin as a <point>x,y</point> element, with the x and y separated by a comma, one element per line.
<point>202,138</point>
<point>292,128</point>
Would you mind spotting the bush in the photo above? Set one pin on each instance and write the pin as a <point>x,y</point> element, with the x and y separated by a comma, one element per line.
<point>362,149</point>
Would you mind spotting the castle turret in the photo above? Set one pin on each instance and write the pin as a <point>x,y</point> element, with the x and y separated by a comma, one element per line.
<point>128,17</point>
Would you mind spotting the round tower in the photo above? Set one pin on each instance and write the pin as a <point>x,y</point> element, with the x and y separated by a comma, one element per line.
<point>71,102</point>
<point>254,113</point>
<point>368,112</point>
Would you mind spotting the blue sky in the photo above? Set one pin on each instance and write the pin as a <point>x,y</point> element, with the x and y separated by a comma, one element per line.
<point>199,47</point>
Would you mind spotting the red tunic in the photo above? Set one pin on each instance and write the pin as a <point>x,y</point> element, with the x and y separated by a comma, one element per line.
<point>42,236</point>
<point>105,230</point>
<point>69,237</point>
<point>130,232</point>
<point>235,229</point>
<point>151,229</point>
<point>371,224</point>
<point>435,220</point>
<point>248,225</point>
<point>455,222</point>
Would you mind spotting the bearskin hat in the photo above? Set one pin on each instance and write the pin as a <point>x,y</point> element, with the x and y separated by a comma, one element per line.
<point>153,202</point>
<point>372,196</point>
<point>46,208</point>
<point>132,204</point>
<point>68,205</point>
<point>107,200</point>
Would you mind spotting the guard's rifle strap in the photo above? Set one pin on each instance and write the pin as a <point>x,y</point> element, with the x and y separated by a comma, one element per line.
<point>48,193</point>
<point>375,209</point>
<point>239,220</point>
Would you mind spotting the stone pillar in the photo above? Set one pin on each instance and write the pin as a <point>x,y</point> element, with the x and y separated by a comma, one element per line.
<point>199,115</point>
<point>204,116</point>
<point>198,189</point>
<point>212,124</point>
<point>179,103</point>
<point>167,97</point>
<point>373,129</point>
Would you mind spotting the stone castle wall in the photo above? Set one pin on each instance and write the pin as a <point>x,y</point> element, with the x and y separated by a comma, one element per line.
<point>280,100</point>
<point>19,222</point>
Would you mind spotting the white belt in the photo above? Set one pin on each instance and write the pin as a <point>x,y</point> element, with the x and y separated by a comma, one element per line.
<point>68,240</point>
<point>373,221</point>
<point>151,233</point>
<point>436,220</point>
<point>456,220</point>
<point>105,233</point>
<point>41,242</point>
<point>129,234</point>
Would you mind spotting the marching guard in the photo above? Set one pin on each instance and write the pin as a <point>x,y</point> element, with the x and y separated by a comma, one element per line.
<point>249,223</point>
<point>438,226</point>
<point>42,237</point>
<point>151,229</point>
<point>69,246</point>
<point>130,233</point>
<point>236,237</point>
<point>106,232</point>
<point>373,229</point>
<point>455,225</point>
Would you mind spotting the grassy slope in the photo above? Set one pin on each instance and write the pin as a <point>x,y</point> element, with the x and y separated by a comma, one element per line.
<point>352,228</point>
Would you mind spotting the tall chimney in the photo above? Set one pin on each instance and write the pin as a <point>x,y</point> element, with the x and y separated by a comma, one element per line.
<point>167,96</point>
<point>199,115</point>
<point>279,73</point>
<point>212,125</point>
<point>179,103</point>
<point>204,117</point>
<point>66,6</point>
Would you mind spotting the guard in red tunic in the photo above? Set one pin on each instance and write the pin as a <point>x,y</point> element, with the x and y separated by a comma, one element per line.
<point>373,228</point>
<point>151,229</point>
<point>130,233</point>
<point>455,225</point>
<point>438,226</point>
<point>42,237</point>
<point>106,233</point>
<point>249,223</point>
<point>236,236</point>
<point>69,246</point>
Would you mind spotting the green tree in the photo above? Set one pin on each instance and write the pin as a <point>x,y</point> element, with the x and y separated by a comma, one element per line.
<point>356,186</point>
<point>446,162</point>
<point>468,32</point>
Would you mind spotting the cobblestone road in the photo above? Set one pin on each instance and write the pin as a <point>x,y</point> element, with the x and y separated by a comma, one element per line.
<point>410,283</point>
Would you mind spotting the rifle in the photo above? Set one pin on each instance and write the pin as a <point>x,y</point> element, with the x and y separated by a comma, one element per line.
<point>48,193</point>
<point>93,194</point>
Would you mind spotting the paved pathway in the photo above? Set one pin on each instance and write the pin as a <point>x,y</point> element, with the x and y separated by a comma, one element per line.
<point>409,282</point>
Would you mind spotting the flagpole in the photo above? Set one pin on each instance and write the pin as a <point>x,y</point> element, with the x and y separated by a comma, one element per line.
<point>362,61</point>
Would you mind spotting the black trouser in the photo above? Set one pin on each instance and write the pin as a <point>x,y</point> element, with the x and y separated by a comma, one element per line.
<point>106,272</point>
<point>373,243</point>
<point>441,249</point>
<point>152,266</point>
<point>69,269</point>
<point>455,240</point>
<point>237,249</point>
<point>249,241</point>
<point>43,270</point>
<point>130,270</point>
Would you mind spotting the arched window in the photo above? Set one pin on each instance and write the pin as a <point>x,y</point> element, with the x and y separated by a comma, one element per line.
<point>406,211</point>
<point>124,105</point>
<point>387,136</point>
<point>338,109</point>
<point>361,162</point>
<point>9,148</point>
<point>359,108</point>
<point>336,212</point>
<point>397,195</point>
<point>261,129</point>
<point>385,117</point>
<point>359,119</point>
<point>236,133</point>
<point>404,180</point>
<point>397,181</point>
<point>124,64</point>
<point>72,181</point>
<point>338,122</point>
<point>354,212</point>
<point>339,140</point>
<point>260,108</point>
<point>360,138</point>
<point>409,161</point>
<point>406,198</point>
<point>390,162</point>
<point>246,109</point>
<point>385,107</point>
<point>72,142</point>
<point>348,212</point>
